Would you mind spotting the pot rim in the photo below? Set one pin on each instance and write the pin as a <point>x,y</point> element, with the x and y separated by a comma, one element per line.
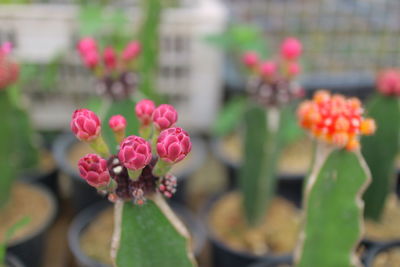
<point>15,261</point>
<point>53,214</point>
<point>205,214</point>
<point>379,248</point>
<point>216,148</point>
<point>65,142</point>
<point>83,219</point>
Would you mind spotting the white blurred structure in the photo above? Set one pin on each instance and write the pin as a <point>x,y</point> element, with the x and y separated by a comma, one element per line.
<point>190,68</point>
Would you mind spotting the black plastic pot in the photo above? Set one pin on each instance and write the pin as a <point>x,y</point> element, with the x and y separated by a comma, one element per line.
<point>288,185</point>
<point>84,218</point>
<point>12,261</point>
<point>84,195</point>
<point>274,262</point>
<point>375,251</point>
<point>49,179</point>
<point>29,249</point>
<point>224,256</point>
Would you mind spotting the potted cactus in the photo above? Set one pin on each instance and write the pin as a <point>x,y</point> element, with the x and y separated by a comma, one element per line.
<point>18,153</point>
<point>382,212</point>
<point>247,225</point>
<point>135,176</point>
<point>265,77</point>
<point>333,206</point>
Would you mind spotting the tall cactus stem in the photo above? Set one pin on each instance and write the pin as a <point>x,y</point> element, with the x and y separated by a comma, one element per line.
<point>118,206</point>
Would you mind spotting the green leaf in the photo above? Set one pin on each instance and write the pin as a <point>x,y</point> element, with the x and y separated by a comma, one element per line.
<point>380,152</point>
<point>230,116</point>
<point>125,108</point>
<point>150,238</point>
<point>9,234</point>
<point>149,39</point>
<point>333,214</point>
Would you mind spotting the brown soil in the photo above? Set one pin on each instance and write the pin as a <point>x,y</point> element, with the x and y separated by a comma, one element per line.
<point>278,233</point>
<point>78,150</point>
<point>96,239</point>
<point>388,259</point>
<point>296,158</point>
<point>26,201</point>
<point>388,227</point>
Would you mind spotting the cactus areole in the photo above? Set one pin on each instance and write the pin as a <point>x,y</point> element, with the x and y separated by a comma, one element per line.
<point>333,205</point>
<point>135,179</point>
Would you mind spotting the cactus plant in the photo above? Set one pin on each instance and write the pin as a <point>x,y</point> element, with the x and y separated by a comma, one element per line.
<point>380,150</point>
<point>17,150</point>
<point>135,178</point>
<point>333,204</point>
<point>266,114</point>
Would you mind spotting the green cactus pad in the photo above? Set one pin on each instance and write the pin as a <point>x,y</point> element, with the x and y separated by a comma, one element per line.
<point>7,156</point>
<point>333,211</point>
<point>262,148</point>
<point>125,108</point>
<point>380,151</point>
<point>151,235</point>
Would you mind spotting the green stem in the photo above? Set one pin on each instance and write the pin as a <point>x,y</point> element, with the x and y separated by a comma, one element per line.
<point>161,168</point>
<point>100,147</point>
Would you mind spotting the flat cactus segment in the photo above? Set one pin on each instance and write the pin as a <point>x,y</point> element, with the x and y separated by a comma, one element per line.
<point>261,151</point>
<point>333,211</point>
<point>380,151</point>
<point>151,235</point>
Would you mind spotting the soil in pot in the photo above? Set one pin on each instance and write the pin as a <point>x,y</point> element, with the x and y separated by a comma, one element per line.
<point>80,149</point>
<point>278,232</point>
<point>388,227</point>
<point>25,201</point>
<point>95,240</point>
<point>390,258</point>
<point>295,159</point>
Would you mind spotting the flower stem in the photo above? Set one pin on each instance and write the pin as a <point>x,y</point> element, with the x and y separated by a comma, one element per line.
<point>100,147</point>
<point>161,168</point>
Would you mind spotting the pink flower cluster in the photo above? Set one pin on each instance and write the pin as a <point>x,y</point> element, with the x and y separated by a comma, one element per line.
<point>388,82</point>
<point>93,57</point>
<point>287,63</point>
<point>9,70</point>
<point>172,144</point>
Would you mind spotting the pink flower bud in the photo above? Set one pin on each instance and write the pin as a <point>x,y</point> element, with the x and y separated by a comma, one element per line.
<point>131,51</point>
<point>250,59</point>
<point>117,123</point>
<point>144,111</point>
<point>388,82</point>
<point>85,125</point>
<point>6,48</point>
<point>293,68</point>
<point>164,116</point>
<point>91,59</point>
<point>268,68</point>
<point>86,45</point>
<point>173,145</point>
<point>291,48</point>
<point>94,170</point>
<point>135,152</point>
<point>110,57</point>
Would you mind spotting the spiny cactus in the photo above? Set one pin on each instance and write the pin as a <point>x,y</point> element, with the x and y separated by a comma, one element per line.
<point>271,89</point>
<point>135,177</point>
<point>17,152</point>
<point>380,150</point>
<point>333,205</point>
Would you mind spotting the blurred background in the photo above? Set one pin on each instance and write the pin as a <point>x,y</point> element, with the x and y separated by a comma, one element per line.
<point>345,44</point>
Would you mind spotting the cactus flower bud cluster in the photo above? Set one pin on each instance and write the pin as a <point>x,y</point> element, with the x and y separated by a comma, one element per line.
<point>335,119</point>
<point>272,82</point>
<point>9,70</point>
<point>137,169</point>
<point>115,70</point>
<point>388,82</point>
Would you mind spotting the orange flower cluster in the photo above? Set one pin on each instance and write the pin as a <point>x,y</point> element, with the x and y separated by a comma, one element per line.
<point>335,119</point>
